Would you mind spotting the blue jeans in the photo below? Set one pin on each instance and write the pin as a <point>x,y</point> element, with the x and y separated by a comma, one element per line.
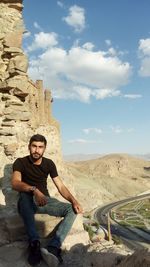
<point>27,209</point>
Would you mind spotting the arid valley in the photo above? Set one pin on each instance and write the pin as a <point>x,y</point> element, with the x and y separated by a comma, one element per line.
<point>109,178</point>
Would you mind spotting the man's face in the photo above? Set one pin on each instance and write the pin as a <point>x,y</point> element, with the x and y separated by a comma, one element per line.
<point>36,150</point>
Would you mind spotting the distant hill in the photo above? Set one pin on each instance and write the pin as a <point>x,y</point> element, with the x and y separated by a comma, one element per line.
<point>81,157</point>
<point>144,156</point>
<point>109,178</point>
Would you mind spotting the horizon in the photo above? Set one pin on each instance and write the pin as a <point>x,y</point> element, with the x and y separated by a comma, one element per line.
<point>97,68</point>
<point>86,157</point>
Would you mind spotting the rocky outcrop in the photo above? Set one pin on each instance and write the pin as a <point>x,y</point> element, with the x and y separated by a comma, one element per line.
<point>25,109</point>
<point>140,258</point>
<point>25,106</point>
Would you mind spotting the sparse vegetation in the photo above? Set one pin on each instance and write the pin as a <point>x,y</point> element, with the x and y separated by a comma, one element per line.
<point>88,228</point>
<point>117,240</point>
<point>135,214</point>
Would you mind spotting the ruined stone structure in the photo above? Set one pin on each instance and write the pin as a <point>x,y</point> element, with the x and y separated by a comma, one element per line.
<point>23,103</point>
<point>25,107</point>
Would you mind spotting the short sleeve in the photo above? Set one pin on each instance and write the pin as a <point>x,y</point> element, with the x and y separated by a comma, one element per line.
<point>18,166</point>
<point>53,170</point>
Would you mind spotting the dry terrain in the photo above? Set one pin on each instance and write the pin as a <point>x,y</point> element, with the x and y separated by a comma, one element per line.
<point>109,178</point>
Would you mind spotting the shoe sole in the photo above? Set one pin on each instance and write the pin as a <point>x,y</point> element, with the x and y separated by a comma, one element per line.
<point>49,258</point>
<point>29,265</point>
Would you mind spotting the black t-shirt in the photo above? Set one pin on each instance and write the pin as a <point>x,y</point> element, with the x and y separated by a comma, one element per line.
<point>36,175</point>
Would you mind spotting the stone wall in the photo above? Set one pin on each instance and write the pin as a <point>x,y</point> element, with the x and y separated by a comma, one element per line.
<point>25,107</point>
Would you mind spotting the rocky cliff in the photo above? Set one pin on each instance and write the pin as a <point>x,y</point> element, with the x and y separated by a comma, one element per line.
<point>25,109</point>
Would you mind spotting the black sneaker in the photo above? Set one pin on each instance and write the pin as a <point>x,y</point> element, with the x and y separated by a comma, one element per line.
<point>52,256</point>
<point>35,256</point>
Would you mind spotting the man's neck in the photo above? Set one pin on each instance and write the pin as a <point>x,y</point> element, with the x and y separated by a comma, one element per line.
<point>36,162</point>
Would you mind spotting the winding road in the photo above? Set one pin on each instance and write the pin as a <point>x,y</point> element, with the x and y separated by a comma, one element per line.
<point>130,238</point>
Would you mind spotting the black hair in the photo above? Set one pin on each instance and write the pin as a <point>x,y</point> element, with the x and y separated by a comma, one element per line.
<point>38,138</point>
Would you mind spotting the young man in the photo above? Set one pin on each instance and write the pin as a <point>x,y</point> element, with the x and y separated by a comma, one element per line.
<point>30,180</point>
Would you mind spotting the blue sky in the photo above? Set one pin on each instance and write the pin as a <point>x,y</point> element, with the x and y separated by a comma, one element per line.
<point>95,58</point>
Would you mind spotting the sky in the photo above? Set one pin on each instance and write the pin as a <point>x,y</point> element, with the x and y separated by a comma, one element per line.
<point>94,56</point>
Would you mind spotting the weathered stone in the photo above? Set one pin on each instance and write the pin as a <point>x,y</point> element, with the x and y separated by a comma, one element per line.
<point>3,67</point>
<point>18,6</point>
<point>19,62</point>
<point>13,101</point>
<point>1,49</point>
<point>19,93</point>
<point>6,97</point>
<point>7,123</point>
<point>3,87</point>
<point>19,86</point>
<point>2,35</point>
<point>140,258</point>
<point>13,39</point>
<point>10,149</point>
<point>6,60</point>
<point>17,113</point>
<point>3,77</point>
<point>3,231</point>
<point>11,1</point>
<point>13,50</point>
<point>14,72</point>
<point>7,131</point>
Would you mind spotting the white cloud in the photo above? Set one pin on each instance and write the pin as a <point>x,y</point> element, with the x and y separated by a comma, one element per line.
<point>60,4</point>
<point>82,141</point>
<point>108,42</point>
<point>81,92</point>
<point>133,96</point>
<point>144,47</point>
<point>94,130</point>
<point>76,18</point>
<point>112,51</point>
<point>119,130</point>
<point>89,46</point>
<point>95,69</point>
<point>104,93</point>
<point>145,67</point>
<point>77,73</point>
<point>43,40</point>
<point>37,26</point>
<point>144,52</point>
<point>130,130</point>
<point>116,129</point>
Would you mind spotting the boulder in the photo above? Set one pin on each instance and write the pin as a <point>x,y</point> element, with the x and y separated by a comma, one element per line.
<point>7,131</point>
<point>12,50</point>
<point>140,258</point>
<point>20,62</point>
<point>10,149</point>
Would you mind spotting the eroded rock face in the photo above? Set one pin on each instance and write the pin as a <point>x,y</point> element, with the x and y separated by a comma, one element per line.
<point>24,105</point>
<point>25,109</point>
<point>140,258</point>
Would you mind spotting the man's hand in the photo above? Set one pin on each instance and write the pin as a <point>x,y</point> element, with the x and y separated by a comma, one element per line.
<point>40,198</point>
<point>77,207</point>
<point>63,190</point>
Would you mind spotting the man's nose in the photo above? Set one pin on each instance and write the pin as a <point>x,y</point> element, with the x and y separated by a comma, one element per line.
<point>37,149</point>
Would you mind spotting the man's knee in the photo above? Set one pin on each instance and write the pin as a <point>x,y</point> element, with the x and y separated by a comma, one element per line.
<point>25,203</point>
<point>70,210</point>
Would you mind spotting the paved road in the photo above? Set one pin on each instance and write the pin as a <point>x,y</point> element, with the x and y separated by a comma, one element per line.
<point>130,238</point>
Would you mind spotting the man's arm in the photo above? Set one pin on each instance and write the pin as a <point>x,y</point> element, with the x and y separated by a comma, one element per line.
<point>62,189</point>
<point>20,186</point>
